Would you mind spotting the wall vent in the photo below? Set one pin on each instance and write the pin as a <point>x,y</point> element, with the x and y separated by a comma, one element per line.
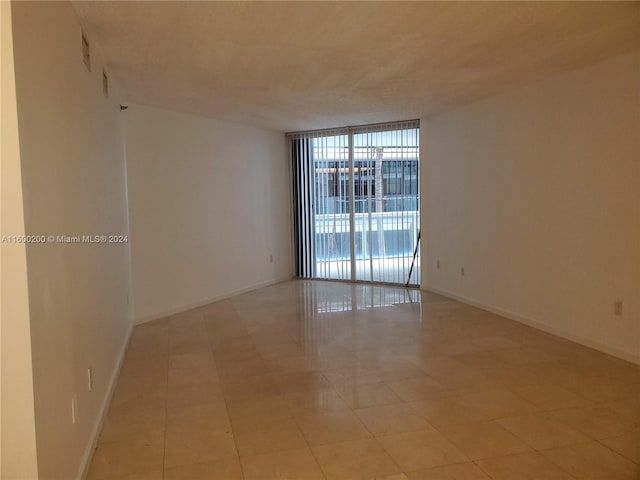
<point>105,84</point>
<point>86,54</point>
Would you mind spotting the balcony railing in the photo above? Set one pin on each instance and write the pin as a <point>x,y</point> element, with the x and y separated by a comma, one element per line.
<point>400,234</point>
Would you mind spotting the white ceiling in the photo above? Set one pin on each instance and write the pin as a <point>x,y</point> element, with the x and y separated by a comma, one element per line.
<point>304,65</point>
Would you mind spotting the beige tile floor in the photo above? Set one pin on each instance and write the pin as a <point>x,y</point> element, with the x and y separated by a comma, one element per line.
<point>325,380</point>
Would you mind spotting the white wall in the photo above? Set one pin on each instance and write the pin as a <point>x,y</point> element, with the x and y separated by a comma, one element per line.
<point>536,194</point>
<point>208,205</point>
<point>74,183</point>
<point>17,414</point>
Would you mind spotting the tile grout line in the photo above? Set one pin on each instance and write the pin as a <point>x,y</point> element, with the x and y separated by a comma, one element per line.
<point>226,406</point>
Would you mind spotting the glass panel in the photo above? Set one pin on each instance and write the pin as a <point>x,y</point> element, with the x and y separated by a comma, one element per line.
<point>386,205</point>
<point>331,207</point>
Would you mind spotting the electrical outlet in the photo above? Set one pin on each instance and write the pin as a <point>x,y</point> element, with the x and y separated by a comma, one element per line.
<point>127,298</point>
<point>617,308</point>
<point>90,378</point>
<point>74,410</point>
<point>462,271</point>
<point>438,264</point>
<point>271,258</point>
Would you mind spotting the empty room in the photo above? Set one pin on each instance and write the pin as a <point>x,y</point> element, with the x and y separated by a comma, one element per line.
<point>320,240</point>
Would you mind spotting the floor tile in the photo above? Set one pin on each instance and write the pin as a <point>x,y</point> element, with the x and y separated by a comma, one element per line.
<point>497,403</point>
<point>277,435</point>
<point>133,397</point>
<point>210,415</point>
<point>148,366</point>
<point>495,342</point>
<point>297,464</point>
<point>447,411</point>
<point>123,424</point>
<point>368,395</point>
<point>522,356</point>
<point>466,380</point>
<point>456,346</point>
<point>523,466</point>
<point>393,476</point>
<point>290,363</point>
<point>225,469</point>
<point>258,422</point>
<point>390,370</point>
<point>480,440</point>
<point>114,460</point>
<point>415,389</point>
<point>145,377</point>
<point>627,407</point>
<point>597,422</point>
<point>240,366</point>
<point>601,389</point>
<point>191,361</point>
<point>359,459</point>
<point>388,392</point>
<point>512,376</point>
<point>289,382</point>
<point>310,402</point>
<point>272,406</point>
<point>549,397</point>
<point>593,461</point>
<point>189,345</point>
<point>420,449</point>
<point>153,474</point>
<point>186,376</point>
<point>459,471</point>
<point>346,377</point>
<point>188,444</point>
<point>551,373</point>
<point>331,428</point>
<point>627,445</point>
<point>248,388</point>
<point>438,365</point>
<point>542,431</point>
<point>396,418</point>
<point>193,393</point>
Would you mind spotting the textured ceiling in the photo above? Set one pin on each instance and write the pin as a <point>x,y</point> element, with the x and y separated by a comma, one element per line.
<point>303,65</point>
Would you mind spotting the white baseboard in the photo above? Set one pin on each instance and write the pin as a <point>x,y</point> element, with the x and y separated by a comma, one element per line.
<point>616,352</point>
<point>217,298</point>
<point>104,407</point>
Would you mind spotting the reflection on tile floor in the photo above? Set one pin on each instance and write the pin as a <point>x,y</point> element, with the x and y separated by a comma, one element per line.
<point>310,379</point>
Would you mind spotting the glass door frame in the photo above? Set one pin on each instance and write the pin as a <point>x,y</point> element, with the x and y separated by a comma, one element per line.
<point>349,133</point>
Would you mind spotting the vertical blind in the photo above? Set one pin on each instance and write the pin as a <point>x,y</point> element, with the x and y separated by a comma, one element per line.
<point>355,198</point>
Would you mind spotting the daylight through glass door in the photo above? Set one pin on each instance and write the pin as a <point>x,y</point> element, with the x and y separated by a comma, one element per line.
<point>356,203</point>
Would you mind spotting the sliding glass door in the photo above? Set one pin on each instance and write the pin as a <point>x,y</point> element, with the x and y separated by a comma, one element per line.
<point>355,203</point>
<point>332,207</point>
<point>386,212</point>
